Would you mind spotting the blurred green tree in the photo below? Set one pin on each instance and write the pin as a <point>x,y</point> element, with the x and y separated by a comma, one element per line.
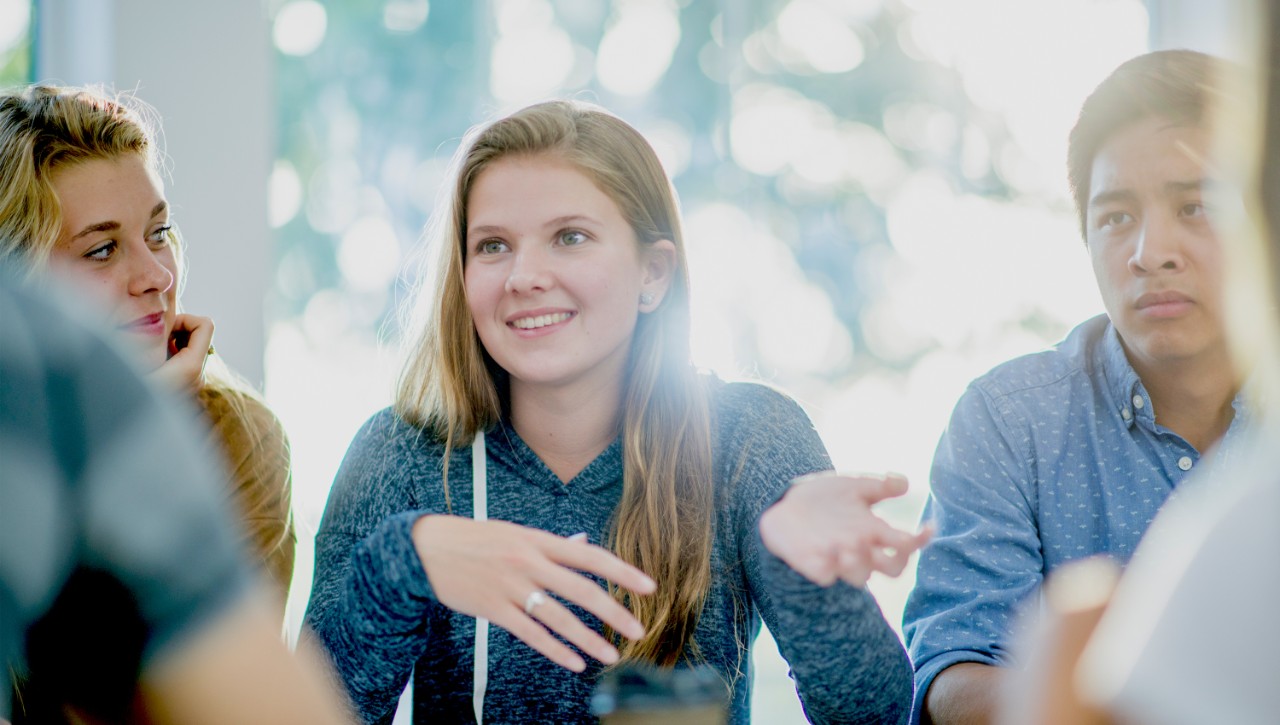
<point>830,97</point>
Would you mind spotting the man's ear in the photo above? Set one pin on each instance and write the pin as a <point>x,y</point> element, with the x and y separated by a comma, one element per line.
<point>659,269</point>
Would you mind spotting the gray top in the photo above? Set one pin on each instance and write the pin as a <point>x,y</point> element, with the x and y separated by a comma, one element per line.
<point>98,474</point>
<point>373,607</point>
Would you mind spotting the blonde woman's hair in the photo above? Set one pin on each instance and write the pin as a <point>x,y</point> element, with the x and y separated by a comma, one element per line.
<point>44,128</point>
<point>450,386</point>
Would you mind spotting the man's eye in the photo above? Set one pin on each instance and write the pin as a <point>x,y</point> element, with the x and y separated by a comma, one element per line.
<point>1194,209</point>
<point>1113,219</point>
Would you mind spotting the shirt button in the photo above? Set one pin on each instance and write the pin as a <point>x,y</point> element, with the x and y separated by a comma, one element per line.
<point>1138,402</point>
<point>1185,463</point>
<point>1124,413</point>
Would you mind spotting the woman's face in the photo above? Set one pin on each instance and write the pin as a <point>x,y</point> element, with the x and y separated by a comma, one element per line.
<point>554,274</point>
<point>115,245</point>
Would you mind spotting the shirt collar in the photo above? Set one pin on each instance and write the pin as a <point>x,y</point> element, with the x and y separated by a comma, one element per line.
<point>1128,396</point>
<point>506,445</point>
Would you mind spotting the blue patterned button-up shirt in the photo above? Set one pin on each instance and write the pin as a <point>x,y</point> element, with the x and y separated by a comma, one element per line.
<point>1048,458</point>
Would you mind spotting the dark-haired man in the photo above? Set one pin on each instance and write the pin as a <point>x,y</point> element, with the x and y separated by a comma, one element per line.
<point>1070,452</point>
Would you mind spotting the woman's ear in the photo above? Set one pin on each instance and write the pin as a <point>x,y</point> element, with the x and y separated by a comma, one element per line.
<point>659,267</point>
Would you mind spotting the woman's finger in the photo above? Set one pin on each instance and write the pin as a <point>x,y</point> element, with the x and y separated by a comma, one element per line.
<point>184,369</point>
<point>887,536</point>
<point>889,561</point>
<point>200,331</point>
<point>873,489</point>
<point>560,620</point>
<point>525,629</point>
<point>596,560</point>
<point>853,567</point>
<point>592,597</point>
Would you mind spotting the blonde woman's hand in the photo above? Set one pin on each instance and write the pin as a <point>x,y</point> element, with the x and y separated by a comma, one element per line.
<point>184,370</point>
<point>507,574</point>
<point>823,528</point>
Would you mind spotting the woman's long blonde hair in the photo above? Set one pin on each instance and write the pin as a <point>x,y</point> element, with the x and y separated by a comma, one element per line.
<point>451,387</point>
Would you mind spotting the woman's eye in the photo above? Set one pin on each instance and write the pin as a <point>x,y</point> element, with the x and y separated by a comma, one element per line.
<point>572,237</point>
<point>1194,209</point>
<point>101,252</point>
<point>161,235</point>
<point>492,246</point>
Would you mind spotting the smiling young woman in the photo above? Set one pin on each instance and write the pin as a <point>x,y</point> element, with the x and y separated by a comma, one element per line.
<point>556,466</point>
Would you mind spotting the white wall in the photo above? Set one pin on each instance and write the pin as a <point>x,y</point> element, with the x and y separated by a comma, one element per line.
<point>206,67</point>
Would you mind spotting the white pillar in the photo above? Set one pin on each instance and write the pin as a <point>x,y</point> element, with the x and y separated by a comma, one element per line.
<point>206,67</point>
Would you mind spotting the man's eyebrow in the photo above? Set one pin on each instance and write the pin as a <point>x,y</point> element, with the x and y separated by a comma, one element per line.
<point>1111,197</point>
<point>1181,187</point>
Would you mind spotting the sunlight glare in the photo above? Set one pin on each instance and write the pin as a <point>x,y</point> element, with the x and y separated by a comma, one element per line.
<point>369,254</point>
<point>811,32</point>
<point>405,16</point>
<point>532,56</point>
<point>15,19</point>
<point>636,50</point>
<point>284,194</point>
<point>299,27</point>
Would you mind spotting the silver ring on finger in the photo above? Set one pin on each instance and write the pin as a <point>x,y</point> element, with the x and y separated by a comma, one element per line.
<point>531,602</point>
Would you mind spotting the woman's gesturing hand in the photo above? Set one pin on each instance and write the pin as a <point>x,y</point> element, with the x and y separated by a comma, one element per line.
<point>506,573</point>
<point>824,529</point>
<point>184,369</point>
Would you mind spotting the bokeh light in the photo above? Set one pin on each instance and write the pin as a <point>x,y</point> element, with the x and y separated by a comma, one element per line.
<point>300,27</point>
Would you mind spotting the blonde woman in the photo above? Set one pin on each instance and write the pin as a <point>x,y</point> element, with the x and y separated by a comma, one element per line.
<point>81,196</point>
<point>556,468</point>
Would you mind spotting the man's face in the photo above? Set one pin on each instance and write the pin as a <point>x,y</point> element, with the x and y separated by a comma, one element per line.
<point>1156,258</point>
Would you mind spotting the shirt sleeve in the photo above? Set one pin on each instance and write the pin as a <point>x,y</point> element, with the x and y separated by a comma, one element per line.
<point>985,558</point>
<point>847,663</point>
<point>371,602</point>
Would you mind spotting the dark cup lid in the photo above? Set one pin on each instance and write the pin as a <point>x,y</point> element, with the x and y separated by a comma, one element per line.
<point>633,688</point>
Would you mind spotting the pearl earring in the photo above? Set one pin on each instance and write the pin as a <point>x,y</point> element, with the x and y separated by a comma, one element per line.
<point>646,298</point>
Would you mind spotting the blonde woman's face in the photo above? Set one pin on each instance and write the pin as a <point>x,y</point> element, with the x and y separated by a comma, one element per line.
<point>115,246</point>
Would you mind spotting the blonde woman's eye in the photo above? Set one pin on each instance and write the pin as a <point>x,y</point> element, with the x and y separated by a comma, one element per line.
<point>492,246</point>
<point>102,252</point>
<point>161,235</point>
<point>572,237</point>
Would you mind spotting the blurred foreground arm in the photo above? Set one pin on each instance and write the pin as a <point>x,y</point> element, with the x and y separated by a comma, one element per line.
<point>1046,692</point>
<point>237,670</point>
